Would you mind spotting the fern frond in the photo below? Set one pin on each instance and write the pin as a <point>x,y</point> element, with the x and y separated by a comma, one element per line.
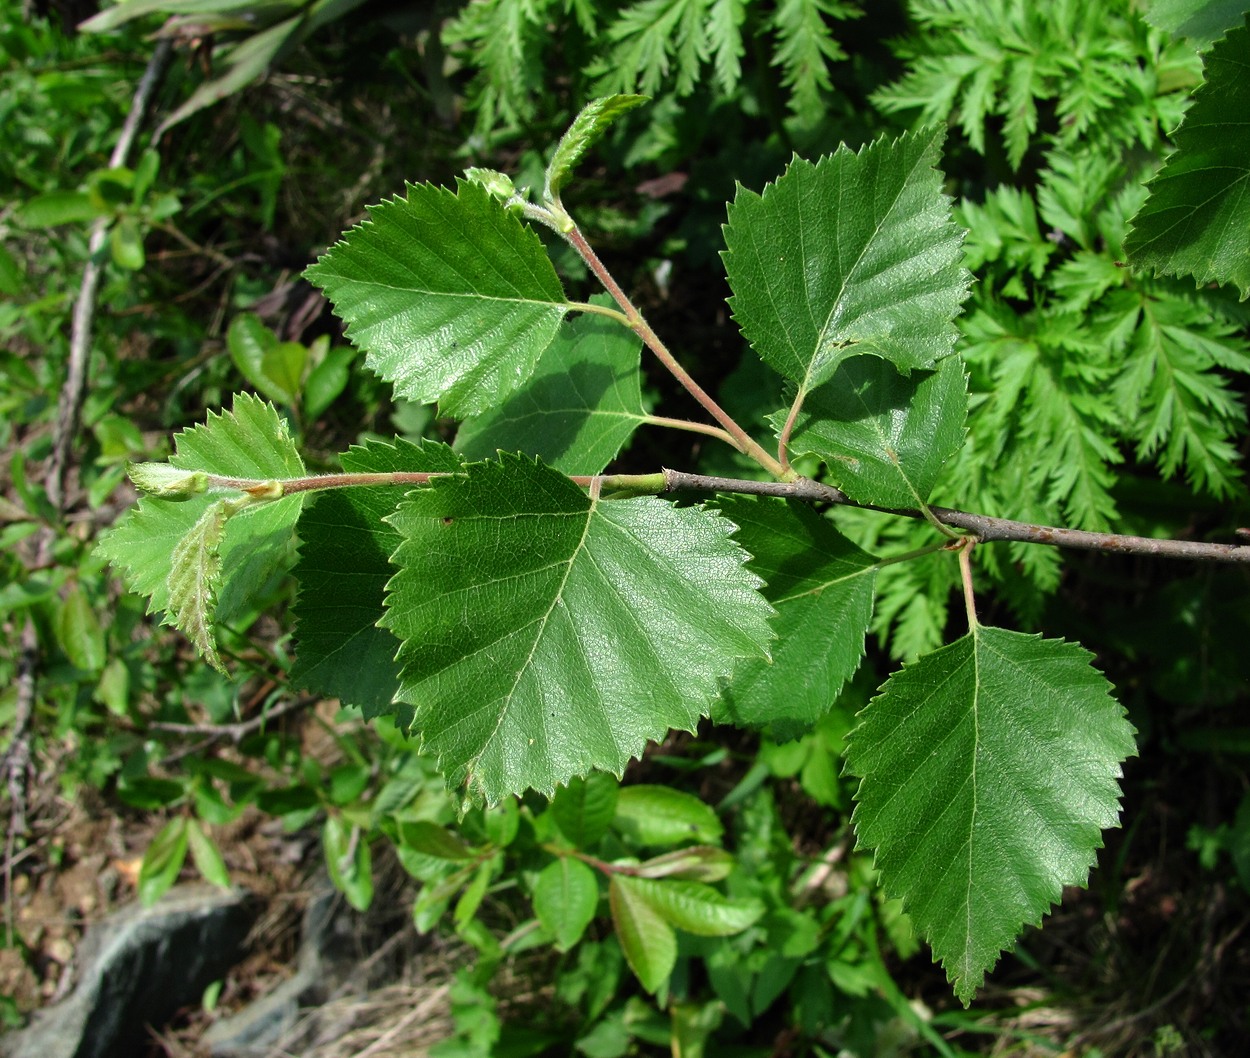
<point>1180,406</point>
<point>805,47</point>
<point>503,40</point>
<point>1068,69</point>
<point>1041,379</point>
<point>724,32</point>
<point>648,39</point>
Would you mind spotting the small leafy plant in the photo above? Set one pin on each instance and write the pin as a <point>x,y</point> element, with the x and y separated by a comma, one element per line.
<point>531,619</point>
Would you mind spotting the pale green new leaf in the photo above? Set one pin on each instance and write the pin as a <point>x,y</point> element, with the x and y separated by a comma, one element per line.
<point>450,296</point>
<point>249,441</point>
<point>883,437</point>
<point>821,586</point>
<point>546,633</point>
<point>207,856</point>
<point>580,406</point>
<point>649,944</point>
<point>989,769</point>
<point>194,574</point>
<point>566,896</point>
<point>1197,218</point>
<point>340,650</point>
<point>854,254</point>
<point>587,129</point>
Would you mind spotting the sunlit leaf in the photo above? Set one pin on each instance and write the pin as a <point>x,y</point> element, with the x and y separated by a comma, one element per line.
<point>451,297</point>
<point>578,409</point>
<point>854,254</point>
<point>546,633</point>
<point>988,770</point>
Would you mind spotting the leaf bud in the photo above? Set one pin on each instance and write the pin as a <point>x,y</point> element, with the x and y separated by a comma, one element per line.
<point>167,482</point>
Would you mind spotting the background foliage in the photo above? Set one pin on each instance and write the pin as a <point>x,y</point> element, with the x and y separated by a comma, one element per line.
<point>1100,397</point>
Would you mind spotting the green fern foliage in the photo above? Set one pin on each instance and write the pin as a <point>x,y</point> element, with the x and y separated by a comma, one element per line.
<point>658,47</point>
<point>1067,71</point>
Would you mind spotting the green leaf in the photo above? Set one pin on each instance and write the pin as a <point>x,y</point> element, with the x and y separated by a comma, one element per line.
<point>450,296</point>
<point>430,839</point>
<point>566,896</point>
<point>194,577</point>
<point>580,406</point>
<point>163,860</point>
<point>1174,393</point>
<point>473,895</point>
<point>348,861</point>
<point>695,907</point>
<point>207,857</point>
<point>587,129</point>
<point>327,380</point>
<point>989,769</point>
<point>883,437</point>
<point>150,793</point>
<point>126,244</point>
<point>250,441</point>
<point>1196,218</point>
<point>79,632</point>
<point>167,482</point>
<point>656,43</point>
<point>59,207</point>
<point>649,944</point>
<point>583,809</point>
<point>1200,20</point>
<point>545,633</point>
<point>821,586</point>
<point>341,652</point>
<point>854,254</point>
<point>660,815</point>
<point>274,368</point>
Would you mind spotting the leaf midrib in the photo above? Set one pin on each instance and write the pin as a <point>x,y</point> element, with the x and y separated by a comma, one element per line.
<point>506,700</point>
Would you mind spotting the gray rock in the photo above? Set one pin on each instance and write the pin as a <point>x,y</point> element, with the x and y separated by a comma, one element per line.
<point>137,969</point>
<point>258,1027</point>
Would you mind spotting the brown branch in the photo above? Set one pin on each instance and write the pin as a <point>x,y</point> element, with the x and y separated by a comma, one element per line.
<point>744,442</point>
<point>235,732</point>
<point>984,528</point>
<point>69,408</point>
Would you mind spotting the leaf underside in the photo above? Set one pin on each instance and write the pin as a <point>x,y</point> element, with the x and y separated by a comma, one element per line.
<point>545,633</point>
<point>341,651</point>
<point>452,298</point>
<point>821,586</point>
<point>988,770</point>
<point>854,254</point>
